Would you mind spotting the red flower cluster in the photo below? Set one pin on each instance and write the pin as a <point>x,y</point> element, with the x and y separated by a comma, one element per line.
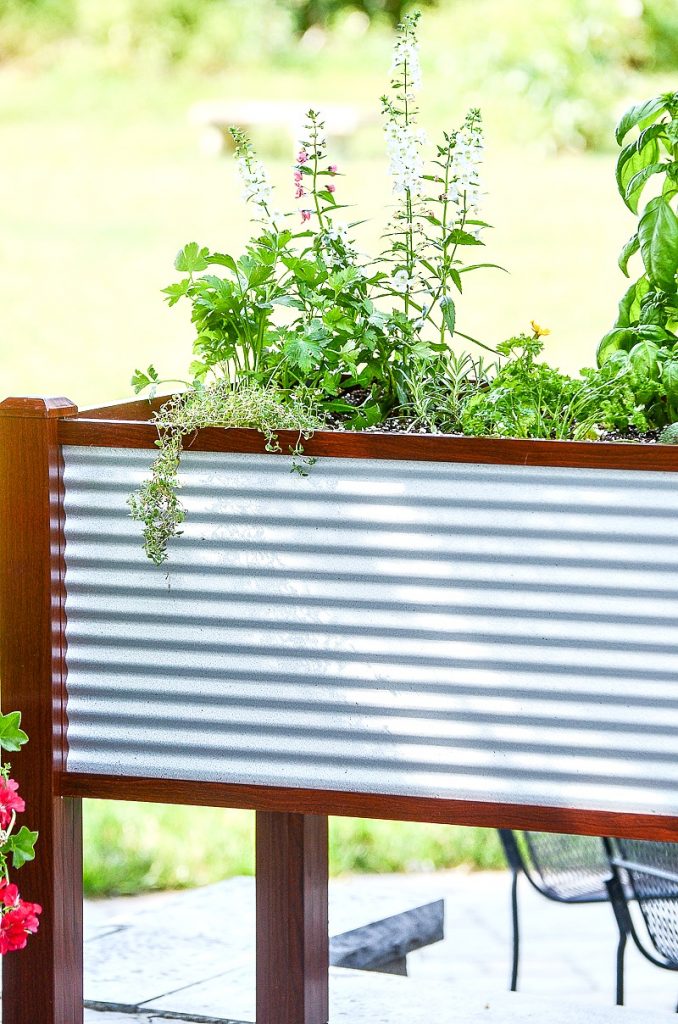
<point>19,919</point>
<point>9,801</point>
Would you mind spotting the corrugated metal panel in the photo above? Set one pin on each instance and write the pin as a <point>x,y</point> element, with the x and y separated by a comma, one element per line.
<point>484,632</point>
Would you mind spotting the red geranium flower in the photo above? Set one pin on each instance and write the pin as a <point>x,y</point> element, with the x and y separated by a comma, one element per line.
<point>18,922</point>
<point>9,801</point>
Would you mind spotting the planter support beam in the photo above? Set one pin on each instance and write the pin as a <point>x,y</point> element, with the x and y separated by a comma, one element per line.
<point>44,981</point>
<point>292,920</point>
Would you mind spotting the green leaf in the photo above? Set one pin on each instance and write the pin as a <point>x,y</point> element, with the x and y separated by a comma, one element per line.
<point>11,736</point>
<point>632,159</point>
<point>192,259</point>
<point>637,184</point>
<point>642,112</point>
<point>619,339</point>
<point>459,237</point>
<point>643,359</point>
<point>288,300</point>
<point>21,846</point>
<point>455,277</point>
<point>302,352</point>
<point>449,313</point>
<point>477,266</point>
<point>631,247</point>
<point>222,260</point>
<point>658,235</point>
<point>629,305</point>
<point>174,292</point>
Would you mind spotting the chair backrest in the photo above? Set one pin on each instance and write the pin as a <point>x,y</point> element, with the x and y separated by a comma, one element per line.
<point>571,869</point>
<point>652,872</point>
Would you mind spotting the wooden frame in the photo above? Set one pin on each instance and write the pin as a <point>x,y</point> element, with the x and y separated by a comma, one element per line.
<point>46,979</point>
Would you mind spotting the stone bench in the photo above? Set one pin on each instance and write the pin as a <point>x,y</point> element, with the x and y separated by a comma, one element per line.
<point>213,118</point>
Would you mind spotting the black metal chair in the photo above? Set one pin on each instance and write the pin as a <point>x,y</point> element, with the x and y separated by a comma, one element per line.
<point>564,868</point>
<point>648,871</point>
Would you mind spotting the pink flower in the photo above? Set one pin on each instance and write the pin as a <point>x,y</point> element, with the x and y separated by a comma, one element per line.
<point>9,801</point>
<point>331,188</point>
<point>332,168</point>
<point>9,894</point>
<point>299,192</point>
<point>302,156</point>
<point>17,924</point>
<point>298,175</point>
<point>305,215</point>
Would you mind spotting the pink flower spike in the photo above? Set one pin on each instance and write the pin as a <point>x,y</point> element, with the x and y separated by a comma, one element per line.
<point>332,168</point>
<point>305,215</point>
<point>331,188</point>
<point>302,156</point>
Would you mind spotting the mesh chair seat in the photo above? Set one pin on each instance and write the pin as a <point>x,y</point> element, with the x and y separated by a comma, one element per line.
<point>570,869</point>
<point>652,872</point>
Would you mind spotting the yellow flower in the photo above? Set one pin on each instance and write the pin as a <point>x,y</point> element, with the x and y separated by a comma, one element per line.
<point>539,332</point>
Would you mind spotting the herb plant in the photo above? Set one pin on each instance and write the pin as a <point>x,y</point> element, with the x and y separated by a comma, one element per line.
<point>157,504</point>
<point>644,334</point>
<point>303,328</point>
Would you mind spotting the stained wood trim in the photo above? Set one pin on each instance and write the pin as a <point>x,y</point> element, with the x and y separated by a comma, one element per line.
<point>46,978</point>
<point>353,445</point>
<point>125,409</point>
<point>292,920</point>
<point>484,814</point>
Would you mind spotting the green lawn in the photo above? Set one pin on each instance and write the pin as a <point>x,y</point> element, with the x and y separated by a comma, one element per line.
<point>132,848</point>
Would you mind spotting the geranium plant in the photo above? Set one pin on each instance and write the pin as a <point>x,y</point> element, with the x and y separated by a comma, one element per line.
<point>18,917</point>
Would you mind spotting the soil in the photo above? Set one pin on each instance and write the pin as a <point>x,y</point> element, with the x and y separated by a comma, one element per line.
<point>409,425</point>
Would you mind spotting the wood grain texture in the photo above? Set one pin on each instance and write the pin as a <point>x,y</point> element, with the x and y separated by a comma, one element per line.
<point>292,918</point>
<point>44,982</point>
<point>420,447</point>
<point>374,805</point>
<point>125,409</point>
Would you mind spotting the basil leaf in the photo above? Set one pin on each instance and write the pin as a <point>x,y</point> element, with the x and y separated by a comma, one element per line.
<point>658,235</point>
<point>631,247</point>
<point>650,109</point>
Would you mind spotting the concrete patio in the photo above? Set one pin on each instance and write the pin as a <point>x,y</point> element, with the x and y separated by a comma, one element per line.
<point>189,956</point>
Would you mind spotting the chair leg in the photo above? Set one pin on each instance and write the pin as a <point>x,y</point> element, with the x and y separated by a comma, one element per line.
<point>516,932</point>
<point>621,949</point>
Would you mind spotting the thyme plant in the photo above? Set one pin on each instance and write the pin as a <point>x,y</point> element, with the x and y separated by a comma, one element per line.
<point>157,504</point>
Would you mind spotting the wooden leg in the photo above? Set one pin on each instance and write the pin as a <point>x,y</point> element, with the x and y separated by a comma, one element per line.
<point>42,983</point>
<point>292,925</point>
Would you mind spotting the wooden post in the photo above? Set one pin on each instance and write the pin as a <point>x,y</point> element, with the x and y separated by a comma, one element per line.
<point>44,981</point>
<point>292,925</point>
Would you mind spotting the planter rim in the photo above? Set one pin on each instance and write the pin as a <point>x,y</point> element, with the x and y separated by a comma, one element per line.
<point>129,425</point>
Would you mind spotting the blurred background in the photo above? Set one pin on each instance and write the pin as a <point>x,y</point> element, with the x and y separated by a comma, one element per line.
<point>111,158</point>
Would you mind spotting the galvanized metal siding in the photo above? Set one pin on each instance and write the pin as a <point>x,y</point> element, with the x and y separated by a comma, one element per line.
<point>488,632</point>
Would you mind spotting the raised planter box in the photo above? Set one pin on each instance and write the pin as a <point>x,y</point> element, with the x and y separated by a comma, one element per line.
<point>433,628</point>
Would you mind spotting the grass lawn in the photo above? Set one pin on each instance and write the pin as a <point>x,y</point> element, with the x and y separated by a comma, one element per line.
<point>104,181</point>
<point>132,848</point>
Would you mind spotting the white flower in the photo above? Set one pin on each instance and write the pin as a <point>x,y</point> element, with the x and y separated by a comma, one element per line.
<point>337,233</point>
<point>406,166</point>
<point>257,188</point>
<point>401,281</point>
<point>406,52</point>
